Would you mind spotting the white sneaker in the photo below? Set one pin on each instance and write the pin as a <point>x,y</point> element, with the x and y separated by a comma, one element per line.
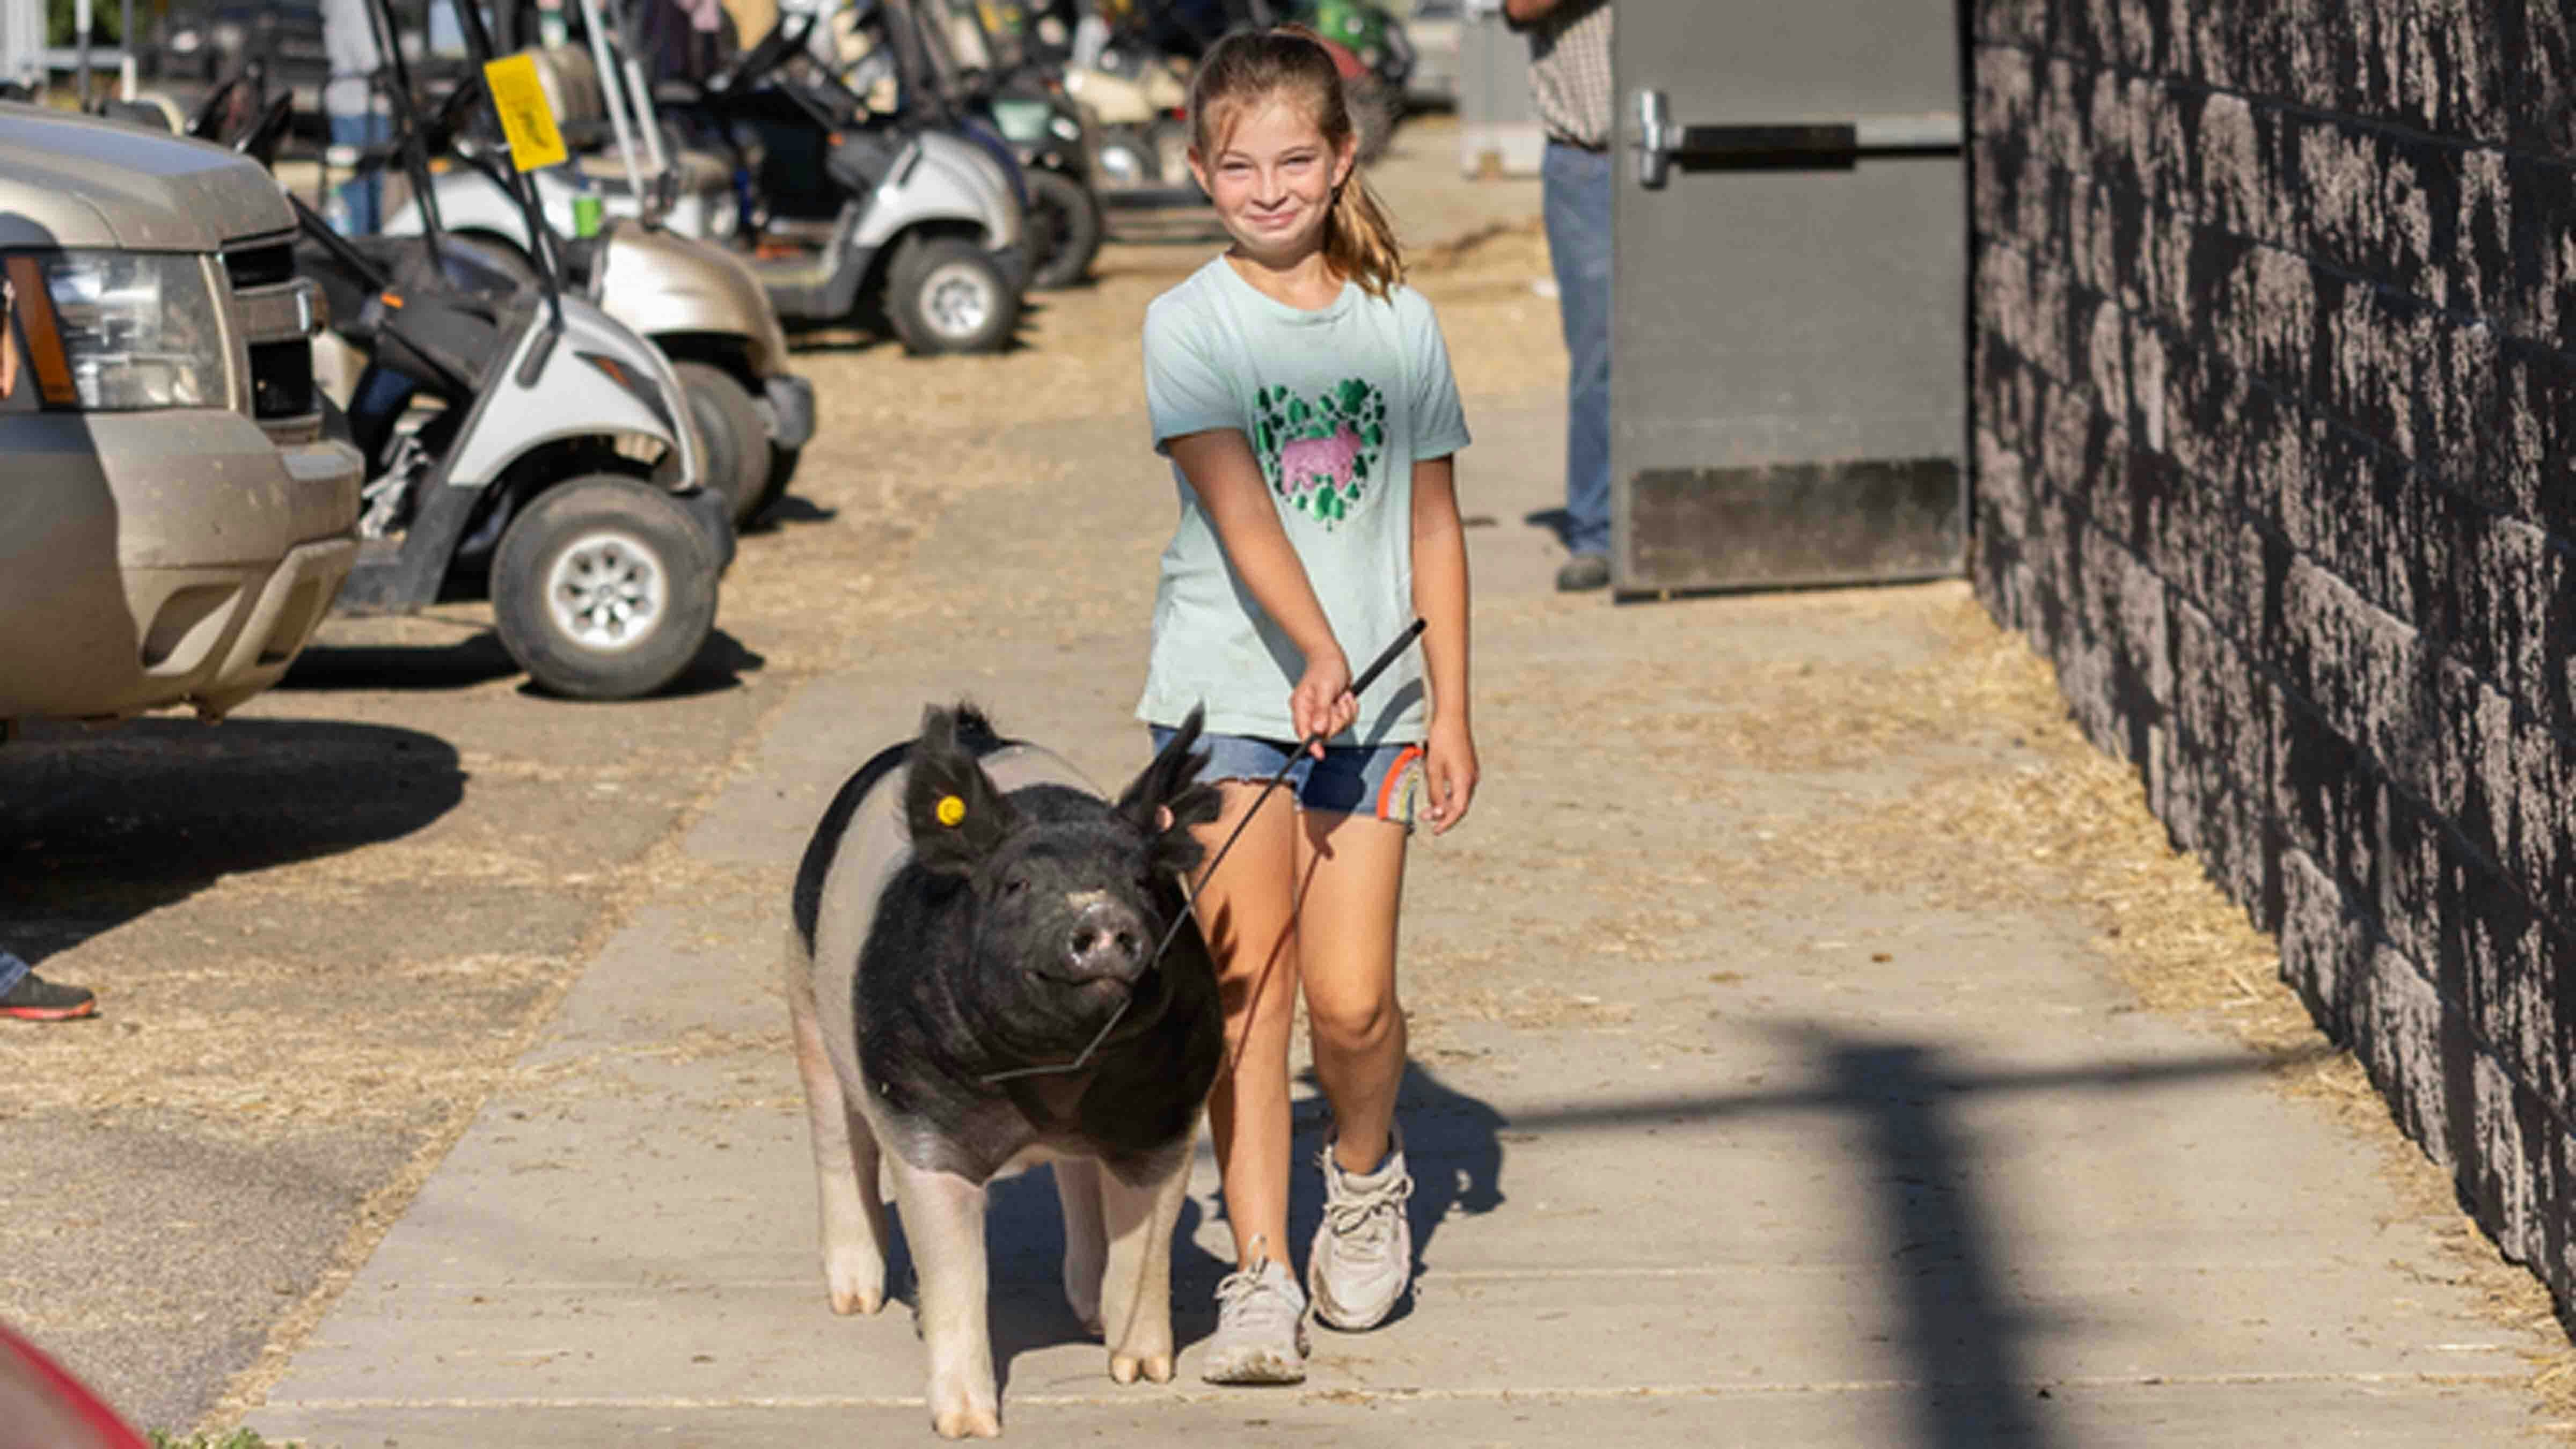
<point>1260,1328</point>
<point>1363,1252</point>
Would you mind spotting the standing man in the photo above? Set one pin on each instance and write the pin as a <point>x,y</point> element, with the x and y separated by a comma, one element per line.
<point>1569,44</point>
<point>358,115</point>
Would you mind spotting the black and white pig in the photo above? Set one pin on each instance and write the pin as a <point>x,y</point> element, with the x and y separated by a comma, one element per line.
<point>969,907</point>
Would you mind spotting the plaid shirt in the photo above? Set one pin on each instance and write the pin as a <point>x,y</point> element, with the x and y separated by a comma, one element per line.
<point>1570,72</point>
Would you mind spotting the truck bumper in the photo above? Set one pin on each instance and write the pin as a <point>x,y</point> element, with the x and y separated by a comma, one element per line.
<point>156,559</point>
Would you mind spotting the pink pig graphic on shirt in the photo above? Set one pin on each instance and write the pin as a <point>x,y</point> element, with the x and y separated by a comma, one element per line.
<point>1306,463</point>
<point>1319,451</point>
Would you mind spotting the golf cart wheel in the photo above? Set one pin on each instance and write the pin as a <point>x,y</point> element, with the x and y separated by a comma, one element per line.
<point>945,295</point>
<point>737,441</point>
<point>1063,229</point>
<point>603,588</point>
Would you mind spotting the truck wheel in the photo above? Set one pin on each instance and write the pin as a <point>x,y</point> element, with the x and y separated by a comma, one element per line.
<point>945,295</point>
<point>603,588</point>
<point>737,442</point>
<point>1063,229</point>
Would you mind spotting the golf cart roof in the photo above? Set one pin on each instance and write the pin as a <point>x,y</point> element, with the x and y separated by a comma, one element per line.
<point>77,181</point>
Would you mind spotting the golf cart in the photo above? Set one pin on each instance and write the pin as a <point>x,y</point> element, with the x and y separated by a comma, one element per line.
<point>995,80</point>
<point>894,217</point>
<point>697,301</point>
<point>522,447</point>
<point>1130,62</point>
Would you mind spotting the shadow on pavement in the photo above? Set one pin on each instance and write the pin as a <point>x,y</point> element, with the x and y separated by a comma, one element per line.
<point>787,510</point>
<point>1554,520</point>
<point>1452,1145</point>
<point>475,659</point>
<point>480,659</point>
<point>96,830</point>
<point>1946,1267</point>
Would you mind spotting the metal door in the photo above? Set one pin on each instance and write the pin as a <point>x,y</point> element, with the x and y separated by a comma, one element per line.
<point>1788,374</point>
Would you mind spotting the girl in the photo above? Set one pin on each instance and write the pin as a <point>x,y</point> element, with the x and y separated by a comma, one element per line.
<point>1304,398</point>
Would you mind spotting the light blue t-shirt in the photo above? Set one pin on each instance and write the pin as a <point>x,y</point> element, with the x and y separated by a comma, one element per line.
<point>1338,404</point>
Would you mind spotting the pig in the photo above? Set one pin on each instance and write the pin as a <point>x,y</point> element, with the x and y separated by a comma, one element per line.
<point>968,907</point>
<point>1306,464</point>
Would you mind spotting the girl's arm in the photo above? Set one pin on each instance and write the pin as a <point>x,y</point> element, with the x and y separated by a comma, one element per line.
<point>1227,478</point>
<point>1440,597</point>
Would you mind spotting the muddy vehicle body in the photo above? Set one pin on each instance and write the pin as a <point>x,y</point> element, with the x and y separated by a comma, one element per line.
<point>177,521</point>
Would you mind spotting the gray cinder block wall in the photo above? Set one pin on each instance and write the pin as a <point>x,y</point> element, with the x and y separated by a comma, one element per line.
<point>2274,401</point>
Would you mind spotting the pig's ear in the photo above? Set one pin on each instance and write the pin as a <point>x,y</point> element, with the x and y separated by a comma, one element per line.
<point>956,814</point>
<point>1167,799</point>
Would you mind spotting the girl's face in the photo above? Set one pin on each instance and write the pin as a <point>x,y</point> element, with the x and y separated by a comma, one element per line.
<point>1272,180</point>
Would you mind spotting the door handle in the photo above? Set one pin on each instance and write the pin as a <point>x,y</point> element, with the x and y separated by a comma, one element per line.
<point>1660,143</point>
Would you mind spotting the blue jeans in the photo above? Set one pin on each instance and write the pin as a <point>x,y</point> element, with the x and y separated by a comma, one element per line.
<point>12,971</point>
<point>364,197</point>
<point>1576,198</point>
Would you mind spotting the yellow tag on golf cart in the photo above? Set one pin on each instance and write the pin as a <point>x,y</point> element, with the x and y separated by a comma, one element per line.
<point>526,119</point>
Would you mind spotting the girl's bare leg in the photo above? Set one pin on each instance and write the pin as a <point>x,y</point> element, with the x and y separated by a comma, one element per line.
<point>1249,911</point>
<point>1353,866</point>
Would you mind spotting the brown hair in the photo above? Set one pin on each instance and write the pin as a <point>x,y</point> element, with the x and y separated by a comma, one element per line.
<point>1252,66</point>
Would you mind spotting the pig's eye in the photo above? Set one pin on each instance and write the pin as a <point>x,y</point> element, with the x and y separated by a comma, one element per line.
<point>1013,885</point>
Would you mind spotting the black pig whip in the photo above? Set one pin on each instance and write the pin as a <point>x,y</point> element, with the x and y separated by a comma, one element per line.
<point>1189,909</point>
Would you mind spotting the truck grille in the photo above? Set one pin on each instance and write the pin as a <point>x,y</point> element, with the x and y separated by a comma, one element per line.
<point>278,313</point>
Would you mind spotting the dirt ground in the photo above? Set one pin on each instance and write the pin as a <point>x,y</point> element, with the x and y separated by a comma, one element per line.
<point>324,931</point>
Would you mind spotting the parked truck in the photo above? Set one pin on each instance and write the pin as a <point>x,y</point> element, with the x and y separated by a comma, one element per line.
<point>175,517</point>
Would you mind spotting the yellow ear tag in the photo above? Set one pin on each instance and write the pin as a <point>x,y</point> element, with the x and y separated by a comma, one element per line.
<point>951,810</point>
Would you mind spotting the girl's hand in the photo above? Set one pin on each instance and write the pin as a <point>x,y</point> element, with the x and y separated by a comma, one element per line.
<point>1321,704</point>
<point>1449,767</point>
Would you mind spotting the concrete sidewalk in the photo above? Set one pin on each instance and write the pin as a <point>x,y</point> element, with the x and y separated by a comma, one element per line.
<point>1705,1155</point>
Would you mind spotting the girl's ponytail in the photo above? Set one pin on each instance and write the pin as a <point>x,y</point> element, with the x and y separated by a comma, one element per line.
<point>1251,66</point>
<point>1359,240</point>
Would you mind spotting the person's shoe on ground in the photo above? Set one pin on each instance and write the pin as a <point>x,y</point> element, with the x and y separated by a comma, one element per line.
<point>1363,1252</point>
<point>1260,1327</point>
<point>32,998</point>
<point>1583,573</point>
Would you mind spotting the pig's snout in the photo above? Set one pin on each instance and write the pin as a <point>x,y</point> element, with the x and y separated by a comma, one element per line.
<point>1107,942</point>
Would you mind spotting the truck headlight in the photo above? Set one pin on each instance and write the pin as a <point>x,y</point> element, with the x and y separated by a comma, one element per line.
<point>137,329</point>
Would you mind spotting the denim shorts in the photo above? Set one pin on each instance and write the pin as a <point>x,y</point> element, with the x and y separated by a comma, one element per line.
<point>1384,781</point>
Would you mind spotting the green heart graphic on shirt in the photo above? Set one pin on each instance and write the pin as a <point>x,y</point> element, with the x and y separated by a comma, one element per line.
<point>1320,453</point>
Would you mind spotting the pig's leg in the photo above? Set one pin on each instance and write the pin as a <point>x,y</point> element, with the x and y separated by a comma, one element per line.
<point>943,1219</point>
<point>1086,1239</point>
<point>845,1164</point>
<point>1136,1292</point>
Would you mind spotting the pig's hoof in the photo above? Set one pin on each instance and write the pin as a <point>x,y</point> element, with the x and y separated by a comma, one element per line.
<point>967,1421</point>
<point>856,1287</point>
<point>1124,1367</point>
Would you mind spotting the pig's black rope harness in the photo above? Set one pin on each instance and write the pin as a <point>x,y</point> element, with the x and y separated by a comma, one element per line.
<point>1189,912</point>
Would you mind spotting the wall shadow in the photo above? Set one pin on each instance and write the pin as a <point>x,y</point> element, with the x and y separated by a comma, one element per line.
<point>96,830</point>
<point>1970,1351</point>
